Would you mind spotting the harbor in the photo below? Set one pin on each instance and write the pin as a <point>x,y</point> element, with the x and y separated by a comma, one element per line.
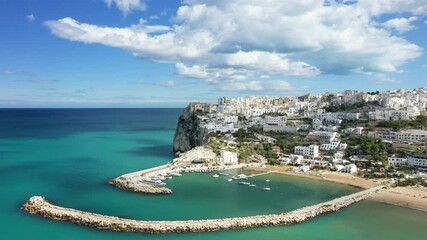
<point>38,205</point>
<point>153,180</point>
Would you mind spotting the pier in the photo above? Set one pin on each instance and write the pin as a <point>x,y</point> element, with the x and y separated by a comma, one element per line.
<point>38,205</point>
<point>252,175</point>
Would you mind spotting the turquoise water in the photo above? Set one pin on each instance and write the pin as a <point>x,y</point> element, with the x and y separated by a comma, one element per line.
<point>68,156</point>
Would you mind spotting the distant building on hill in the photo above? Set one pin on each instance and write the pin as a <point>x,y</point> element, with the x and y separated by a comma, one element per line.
<point>229,158</point>
<point>312,150</point>
<point>276,149</point>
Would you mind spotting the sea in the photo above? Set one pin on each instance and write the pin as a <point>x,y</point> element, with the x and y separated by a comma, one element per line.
<point>69,155</point>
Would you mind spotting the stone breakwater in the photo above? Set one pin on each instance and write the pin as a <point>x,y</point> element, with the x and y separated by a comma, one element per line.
<point>137,181</point>
<point>129,185</point>
<point>38,205</point>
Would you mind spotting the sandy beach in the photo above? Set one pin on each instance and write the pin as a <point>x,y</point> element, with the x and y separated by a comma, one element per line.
<point>336,177</point>
<point>411,197</point>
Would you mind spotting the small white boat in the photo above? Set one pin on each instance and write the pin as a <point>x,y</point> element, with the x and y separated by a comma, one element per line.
<point>215,175</point>
<point>175,174</point>
<point>268,180</point>
<point>230,180</point>
<point>244,183</point>
<point>266,189</point>
<point>161,177</point>
<point>252,185</point>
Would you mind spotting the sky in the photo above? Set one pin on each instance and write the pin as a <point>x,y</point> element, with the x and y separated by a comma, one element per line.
<point>166,53</point>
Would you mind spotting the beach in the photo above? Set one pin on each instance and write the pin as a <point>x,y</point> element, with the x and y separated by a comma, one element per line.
<point>410,197</point>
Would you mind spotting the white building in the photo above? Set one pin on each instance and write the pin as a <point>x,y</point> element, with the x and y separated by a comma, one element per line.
<point>337,115</point>
<point>322,136</point>
<point>397,161</point>
<point>351,168</point>
<point>276,128</point>
<point>334,145</point>
<point>353,131</point>
<point>228,157</point>
<point>312,150</point>
<point>231,119</point>
<point>406,135</point>
<point>418,161</point>
<point>278,120</point>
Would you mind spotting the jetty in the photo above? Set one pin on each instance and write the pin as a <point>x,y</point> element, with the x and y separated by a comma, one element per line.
<point>38,205</point>
<point>139,181</point>
<point>242,176</point>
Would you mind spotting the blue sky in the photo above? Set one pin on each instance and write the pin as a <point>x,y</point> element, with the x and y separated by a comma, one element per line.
<point>136,53</point>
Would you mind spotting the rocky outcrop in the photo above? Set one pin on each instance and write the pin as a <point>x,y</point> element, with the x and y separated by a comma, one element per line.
<point>141,187</point>
<point>38,205</point>
<point>188,133</point>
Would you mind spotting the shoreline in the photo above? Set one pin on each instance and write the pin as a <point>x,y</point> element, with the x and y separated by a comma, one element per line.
<point>408,197</point>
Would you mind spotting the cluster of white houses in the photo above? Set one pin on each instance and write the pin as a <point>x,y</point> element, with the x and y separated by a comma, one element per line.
<point>285,114</point>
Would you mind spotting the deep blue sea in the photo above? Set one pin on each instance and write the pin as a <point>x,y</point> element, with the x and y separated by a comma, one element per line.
<point>69,155</point>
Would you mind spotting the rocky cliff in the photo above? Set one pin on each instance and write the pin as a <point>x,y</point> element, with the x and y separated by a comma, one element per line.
<point>188,133</point>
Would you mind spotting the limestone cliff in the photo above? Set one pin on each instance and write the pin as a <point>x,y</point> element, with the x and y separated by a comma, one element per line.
<point>188,133</point>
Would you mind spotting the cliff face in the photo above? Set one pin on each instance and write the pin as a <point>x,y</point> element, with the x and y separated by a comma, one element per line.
<point>188,133</point>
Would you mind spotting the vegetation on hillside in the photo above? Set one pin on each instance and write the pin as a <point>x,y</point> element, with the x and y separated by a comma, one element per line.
<point>348,107</point>
<point>420,122</point>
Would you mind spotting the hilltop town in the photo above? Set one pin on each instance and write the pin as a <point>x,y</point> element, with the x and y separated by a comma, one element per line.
<point>373,134</point>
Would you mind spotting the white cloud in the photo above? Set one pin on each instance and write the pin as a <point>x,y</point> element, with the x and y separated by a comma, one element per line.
<point>127,6</point>
<point>8,72</point>
<point>163,84</point>
<point>31,18</point>
<point>271,63</point>
<point>401,24</point>
<point>240,86</point>
<point>212,75</point>
<point>222,40</point>
<point>384,78</point>
<point>168,84</point>
<point>196,71</point>
<point>257,86</point>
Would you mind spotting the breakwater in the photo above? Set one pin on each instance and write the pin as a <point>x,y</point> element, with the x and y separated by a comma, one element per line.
<point>38,205</point>
<point>137,181</point>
